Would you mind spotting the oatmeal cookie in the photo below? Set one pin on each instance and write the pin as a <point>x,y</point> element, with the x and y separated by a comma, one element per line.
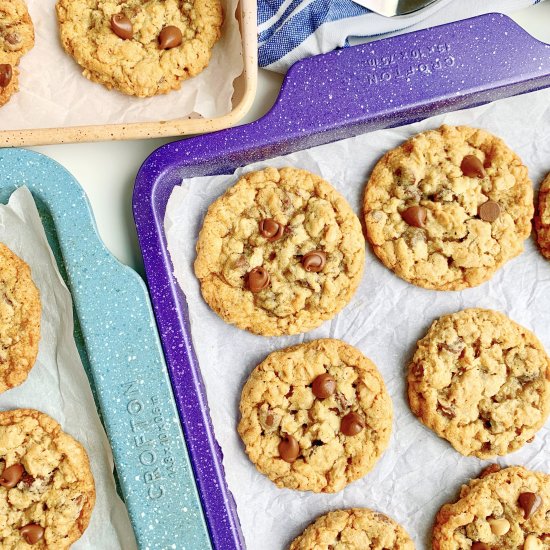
<point>280,252</point>
<point>505,510</point>
<point>316,416</point>
<point>20,311</point>
<point>481,381</point>
<point>16,39</point>
<point>47,490</point>
<point>542,219</point>
<point>140,47</point>
<point>448,207</point>
<point>353,529</point>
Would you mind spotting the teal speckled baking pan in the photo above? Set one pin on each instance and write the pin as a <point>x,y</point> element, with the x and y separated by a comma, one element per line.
<point>123,359</point>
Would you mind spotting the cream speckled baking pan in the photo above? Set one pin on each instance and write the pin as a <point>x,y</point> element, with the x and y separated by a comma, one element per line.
<point>245,91</point>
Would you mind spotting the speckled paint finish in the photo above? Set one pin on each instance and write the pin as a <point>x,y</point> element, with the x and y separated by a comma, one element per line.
<point>122,352</point>
<point>323,99</point>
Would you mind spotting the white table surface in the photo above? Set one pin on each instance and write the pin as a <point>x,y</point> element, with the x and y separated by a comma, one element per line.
<point>107,170</point>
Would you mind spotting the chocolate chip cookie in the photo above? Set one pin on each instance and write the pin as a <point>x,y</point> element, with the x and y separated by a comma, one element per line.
<point>20,312</point>
<point>47,490</point>
<point>505,510</point>
<point>542,219</point>
<point>353,529</point>
<point>140,47</point>
<point>448,207</point>
<point>16,39</point>
<point>481,381</point>
<point>316,416</point>
<point>280,252</point>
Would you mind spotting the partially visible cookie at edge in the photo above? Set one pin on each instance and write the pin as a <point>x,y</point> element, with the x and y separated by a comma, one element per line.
<point>542,218</point>
<point>279,252</point>
<point>47,491</point>
<point>140,47</point>
<point>481,381</point>
<point>316,416</point>
<point>16,39</point>
<point>449,207</point>
<point>20,311</point>
<point>353,529</point>
<point>505,510</point>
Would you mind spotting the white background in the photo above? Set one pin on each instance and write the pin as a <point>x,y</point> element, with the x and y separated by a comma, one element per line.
<point>107,170</point>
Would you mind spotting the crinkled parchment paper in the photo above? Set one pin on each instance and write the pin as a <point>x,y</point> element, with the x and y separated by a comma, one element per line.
<point>53,93</point>
<point>57,385</point>
<point>419,472</point>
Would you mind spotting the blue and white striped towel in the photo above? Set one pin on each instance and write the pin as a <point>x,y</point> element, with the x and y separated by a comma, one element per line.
<point>289,30</point>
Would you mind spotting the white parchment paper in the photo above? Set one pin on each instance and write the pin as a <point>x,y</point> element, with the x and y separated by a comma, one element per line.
<point>419,472</point>
<point>57,385</point>
<point>53,93</point>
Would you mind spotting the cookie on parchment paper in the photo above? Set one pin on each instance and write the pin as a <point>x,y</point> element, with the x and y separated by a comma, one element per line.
<point>542,218</point>
<point>449,207</point>
<point>47,490</point>
<point>16,39</point>
<point>353,529</point>
<point>505,510</point>
<point>20,311</point>
<point>279,252</point>
<point>316,416</point>
<point>140,47</point>
<point>481,381</point>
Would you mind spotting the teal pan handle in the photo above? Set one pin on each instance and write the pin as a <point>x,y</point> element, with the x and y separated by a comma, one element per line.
<point>121,348</point>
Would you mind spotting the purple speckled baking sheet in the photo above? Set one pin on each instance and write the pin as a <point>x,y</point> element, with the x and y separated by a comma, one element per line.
<point>323,99</point>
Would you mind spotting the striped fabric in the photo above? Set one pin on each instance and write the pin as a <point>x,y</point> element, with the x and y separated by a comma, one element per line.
<point>289,30</point>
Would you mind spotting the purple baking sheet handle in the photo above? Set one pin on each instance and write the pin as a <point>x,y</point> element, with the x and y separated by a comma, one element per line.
<point>329,97</point>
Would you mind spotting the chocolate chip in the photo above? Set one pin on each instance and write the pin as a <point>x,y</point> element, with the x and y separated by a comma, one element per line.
<point>257,279</point>
<point>352,424</point>
<point>480,546</point>
<point>271,230</point>
<point>6,74</point>
<point>489,211</point>
<point>529,503</point>
<point>27,479</point>
<point>170,37</point>
<point>13,38</point>
<point>472,167</point>
<point>269,419</point>
<point>445,410</point>
<point>415,216</point>
<point>314,261</point>
<point>122,26</point>
<point>12,476</point>
<point>323,386</point>
<point>289,450</point>
<point>32,533</point>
